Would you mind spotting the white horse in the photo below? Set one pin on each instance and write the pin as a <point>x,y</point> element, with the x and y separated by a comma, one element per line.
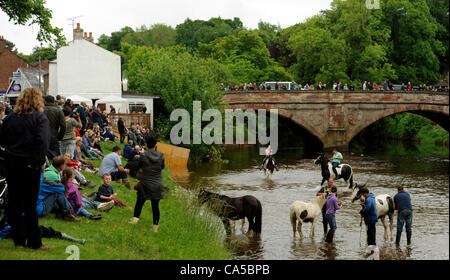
<point>306,212</point>
<point>385,207</point>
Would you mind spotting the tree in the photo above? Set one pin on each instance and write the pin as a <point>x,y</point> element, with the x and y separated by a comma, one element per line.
<point>112,43</point>
<point>158,35</point>
<point>268,32</point>
<point>415,48</point>
<point>179,78</point>
<point>47,53</point>
<point>191,33</point>
<point>34,11</point>
<point>246,56</point>
<point>320,56</point>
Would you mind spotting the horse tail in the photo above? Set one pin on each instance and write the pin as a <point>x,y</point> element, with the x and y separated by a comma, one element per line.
<point>258,219</point>
<point>391,204</point>
<point>293,217</point>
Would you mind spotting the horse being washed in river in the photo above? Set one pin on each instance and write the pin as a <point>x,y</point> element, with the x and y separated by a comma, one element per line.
<point>343,171</point>
<point>233,209</point>
<point>306,212</point>
<point>385,207</point>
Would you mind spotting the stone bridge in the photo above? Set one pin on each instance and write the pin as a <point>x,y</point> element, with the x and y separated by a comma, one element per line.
<point>336,117</point>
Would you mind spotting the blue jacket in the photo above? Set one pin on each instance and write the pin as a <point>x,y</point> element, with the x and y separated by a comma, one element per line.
<point>128,152</point>
<point>45,189</point>
<point>370,210</point>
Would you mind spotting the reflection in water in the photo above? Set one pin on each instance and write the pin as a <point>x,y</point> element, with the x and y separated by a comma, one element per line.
<point>424,176</point>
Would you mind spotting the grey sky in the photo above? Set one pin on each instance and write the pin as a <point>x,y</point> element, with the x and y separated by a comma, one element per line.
<point>106,16</point>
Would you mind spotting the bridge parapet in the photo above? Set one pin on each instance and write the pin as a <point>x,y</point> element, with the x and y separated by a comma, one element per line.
<point>335,117</point>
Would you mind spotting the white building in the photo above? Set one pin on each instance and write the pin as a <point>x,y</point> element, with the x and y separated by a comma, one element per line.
<point>84,69</point>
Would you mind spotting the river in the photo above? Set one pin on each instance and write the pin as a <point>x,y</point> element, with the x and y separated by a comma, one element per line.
<point>425,176</point>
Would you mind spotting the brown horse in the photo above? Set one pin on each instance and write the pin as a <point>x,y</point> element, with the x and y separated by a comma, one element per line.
<point>237,208</point>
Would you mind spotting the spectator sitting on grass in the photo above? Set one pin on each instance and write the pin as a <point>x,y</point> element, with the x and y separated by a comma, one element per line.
<point>77,166</point>
<point>112,164</point>
<point>87,142</point>
<point>51,193</point>
<point>106,192</point>
<point>73,195</point>
<point>108,135</point>
<point>128,150</point>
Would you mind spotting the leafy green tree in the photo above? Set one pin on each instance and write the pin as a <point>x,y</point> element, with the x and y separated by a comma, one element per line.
<point>112,43</point>
<point>415,50</point>
<point>246,56</point>
<point>158,35</point>
<point>180,78</point>
<point>33,12</point>
<point>320,56</point>
<point>439,10</point>
<point>268,32</point>
<point>190,32</point>
<point>47,53</point>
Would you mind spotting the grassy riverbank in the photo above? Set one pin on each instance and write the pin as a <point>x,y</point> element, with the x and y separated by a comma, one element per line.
<point>183,234</point>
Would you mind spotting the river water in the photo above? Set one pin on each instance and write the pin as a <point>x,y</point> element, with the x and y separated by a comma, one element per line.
<point>425,176</point>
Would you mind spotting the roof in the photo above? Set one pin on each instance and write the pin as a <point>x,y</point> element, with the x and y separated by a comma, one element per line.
<point>32,76</point>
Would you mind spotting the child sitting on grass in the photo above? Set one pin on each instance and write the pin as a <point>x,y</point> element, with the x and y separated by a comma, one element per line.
<point>73,195</point>
<point>106,193</point>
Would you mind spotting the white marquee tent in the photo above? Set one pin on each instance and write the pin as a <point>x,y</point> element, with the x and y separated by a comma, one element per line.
<point>77,99</point>
<point>119,103</point>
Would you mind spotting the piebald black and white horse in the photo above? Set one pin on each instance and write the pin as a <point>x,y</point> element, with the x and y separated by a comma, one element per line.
<point>344,171</point>
<point>385,207</point>
<point>233,209</point>
<point>303,212</point>
<point>269,166</point>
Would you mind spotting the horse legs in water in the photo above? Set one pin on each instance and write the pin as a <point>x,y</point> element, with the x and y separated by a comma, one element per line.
<point>242,225</point>
<point>226,223</point>
<point>299,228</point>
<point>311,234</point>
<point>251,223</point>
<point>233,224</point>
<point>391,224</point>
<point>383,220</point>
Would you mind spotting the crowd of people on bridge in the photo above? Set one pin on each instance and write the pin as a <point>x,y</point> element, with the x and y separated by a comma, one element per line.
<point>339,86</point>
<point>47,144</point>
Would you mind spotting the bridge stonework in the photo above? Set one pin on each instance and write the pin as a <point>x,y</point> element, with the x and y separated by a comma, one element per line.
<point>335,118</point>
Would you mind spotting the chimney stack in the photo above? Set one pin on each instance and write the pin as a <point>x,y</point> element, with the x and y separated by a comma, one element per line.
<point>78,33</point>
<point>85,35</point>
<point>2,42</point>
<point>91,39</point>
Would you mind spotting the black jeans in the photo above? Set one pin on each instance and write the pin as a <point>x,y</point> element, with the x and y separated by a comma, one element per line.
<point>155,208</point>
<point>23,189</point>
<point>371,234</point>
<point>122,137</point>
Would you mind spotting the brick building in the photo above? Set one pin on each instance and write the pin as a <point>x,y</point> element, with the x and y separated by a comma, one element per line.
<point>10,62</point>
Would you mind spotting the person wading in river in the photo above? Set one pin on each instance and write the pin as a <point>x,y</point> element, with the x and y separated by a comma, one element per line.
<point>327,190</point>
<point>402,203</point>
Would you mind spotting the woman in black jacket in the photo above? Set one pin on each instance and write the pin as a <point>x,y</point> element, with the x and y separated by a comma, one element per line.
<point>25,134</point>
<point>151,185</point>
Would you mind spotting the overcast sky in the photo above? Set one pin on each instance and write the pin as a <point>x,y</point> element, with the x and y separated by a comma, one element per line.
<point>106,16</point>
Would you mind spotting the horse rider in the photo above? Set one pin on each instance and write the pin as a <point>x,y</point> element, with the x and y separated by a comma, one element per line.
<point>336,160</point>
<point>269,153</point>
<point>402,203</point>
<point>327,190</point>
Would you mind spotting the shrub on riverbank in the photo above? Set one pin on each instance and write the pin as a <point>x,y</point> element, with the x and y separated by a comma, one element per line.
<point>183,233</point>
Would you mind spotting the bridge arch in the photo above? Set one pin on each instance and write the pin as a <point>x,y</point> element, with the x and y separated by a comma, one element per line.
<point>433,114</point>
